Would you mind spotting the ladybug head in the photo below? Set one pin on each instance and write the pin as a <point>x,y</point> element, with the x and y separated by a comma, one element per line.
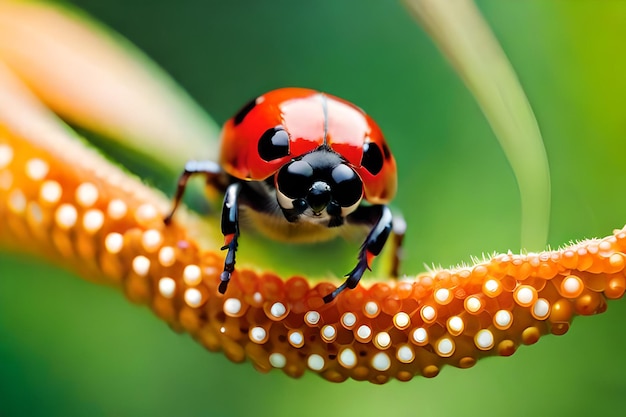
<point>320,185</point>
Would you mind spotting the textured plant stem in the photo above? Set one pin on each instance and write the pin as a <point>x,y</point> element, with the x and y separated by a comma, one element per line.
<point>68,204</point>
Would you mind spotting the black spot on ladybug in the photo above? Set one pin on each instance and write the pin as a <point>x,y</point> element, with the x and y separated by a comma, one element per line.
<point>274,143</point>
<point>372,158</point>
<point>243,112</point>
<point>386,151</point>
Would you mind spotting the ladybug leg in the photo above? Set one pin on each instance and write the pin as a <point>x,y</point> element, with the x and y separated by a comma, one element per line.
<point>230,230</point>
<point>398,232</point>
<point>208,168</point>
<point>380,218</point>
<point>230,211</point>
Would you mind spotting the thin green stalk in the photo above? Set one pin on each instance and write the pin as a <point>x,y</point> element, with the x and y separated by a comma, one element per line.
<point>464,37</point>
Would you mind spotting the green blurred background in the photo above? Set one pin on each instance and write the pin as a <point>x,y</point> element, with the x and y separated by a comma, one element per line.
<point>72,348</point>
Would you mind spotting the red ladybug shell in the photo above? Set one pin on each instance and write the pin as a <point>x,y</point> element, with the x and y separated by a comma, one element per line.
<point>301,112</point>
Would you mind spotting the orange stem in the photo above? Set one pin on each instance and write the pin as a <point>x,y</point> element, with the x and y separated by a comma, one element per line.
<point>74,208</point>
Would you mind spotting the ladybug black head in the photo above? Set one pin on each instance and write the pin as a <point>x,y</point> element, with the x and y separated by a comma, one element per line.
<point>320,185</point>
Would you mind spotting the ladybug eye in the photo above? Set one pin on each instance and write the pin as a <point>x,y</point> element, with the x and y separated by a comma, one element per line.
<point>372,158</point>
<point>294,179</point>
<point>274,143</point>
<point>347,187</point>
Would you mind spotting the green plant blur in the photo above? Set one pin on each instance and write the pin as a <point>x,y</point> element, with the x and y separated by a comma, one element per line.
<point>71,348</point>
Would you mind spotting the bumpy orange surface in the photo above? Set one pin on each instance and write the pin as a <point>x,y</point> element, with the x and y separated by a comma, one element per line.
<point>69,205</point>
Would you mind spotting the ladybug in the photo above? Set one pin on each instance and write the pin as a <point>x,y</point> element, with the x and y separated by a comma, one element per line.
<point>302,165</point>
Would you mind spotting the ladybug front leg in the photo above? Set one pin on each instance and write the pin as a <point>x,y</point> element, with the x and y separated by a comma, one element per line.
<point>380,218</point>
<point>230,230</point>
<point>230,211</point>
<point>208,168</point>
